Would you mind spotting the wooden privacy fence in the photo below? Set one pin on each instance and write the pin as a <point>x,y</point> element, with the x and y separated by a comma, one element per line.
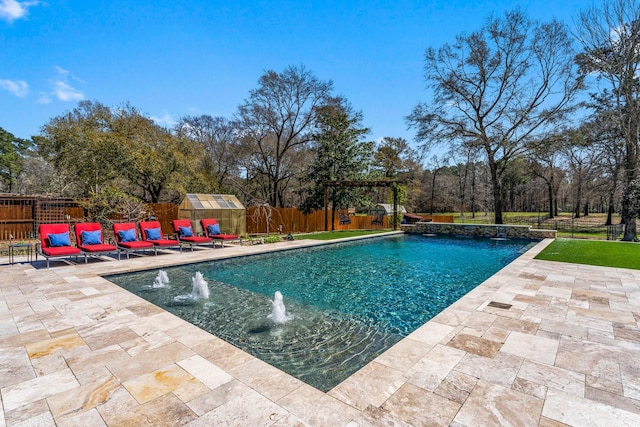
<point>20,216</point>
<point>292,220</point>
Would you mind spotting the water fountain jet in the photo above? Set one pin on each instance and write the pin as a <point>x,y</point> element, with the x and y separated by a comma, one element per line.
<point>161,280</point>
<point>278,311</point>
<point>200,290</point>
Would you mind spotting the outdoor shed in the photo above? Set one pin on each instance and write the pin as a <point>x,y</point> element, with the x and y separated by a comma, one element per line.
<point>226,208</point>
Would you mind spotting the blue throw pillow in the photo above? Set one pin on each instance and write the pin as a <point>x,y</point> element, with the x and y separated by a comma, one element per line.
<point>128,235</point>
<point>91,237</point>
<point>185,232</point>
<point>60,239</point>
<point>213,229</point>
<point>153,234</point>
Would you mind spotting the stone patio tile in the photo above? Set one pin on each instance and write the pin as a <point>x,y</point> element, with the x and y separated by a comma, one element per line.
<point>475,345</point>
<point>532,347</point>
<point>147,387</point>
<point>429,372</point>
<point>37,388</point>
<point>374,417</point>
<point>562,328</point>
<point>81,399</point>
<point>205,371</point>
<point>45,419</point>
<point>578,411</point>
<point>553,377</point>
<point>148,362</point>
<point>630,375</point>
<point>20,339</point>
<point>222,354</point>
<point>219,396</point>
<point>456,387</point>
<point>265,379</point>
<point>524,326</point>
<point>62,341</point>
<point>89,418</point>
<point>590,358</point>
<point>480,321</point>
<point>317,408</point>
<point>602,314</point>
<point>502,369</point>
<point>452,317</point>
<point>418,407</point>
<point>493,405</point>
<point>88,360</point>
<point>433,332</point>
<point>251,409</point>
<point>529,387</point>
<point>612,399</point>
<point>166,410</point>
<point>15,367</point>
<point>371,385</point>
<point>22,415</point>
<point>404,354</point>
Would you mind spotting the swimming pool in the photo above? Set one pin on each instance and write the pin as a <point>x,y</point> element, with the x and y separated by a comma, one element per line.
<point>349,302</point>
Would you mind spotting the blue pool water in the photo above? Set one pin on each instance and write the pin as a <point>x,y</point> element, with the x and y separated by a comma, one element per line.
<point>349,301</point>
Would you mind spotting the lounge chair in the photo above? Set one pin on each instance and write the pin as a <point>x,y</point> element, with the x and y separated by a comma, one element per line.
<point>378,220</point>
<point>211,229</point>
<point>151,231</point>
<point>55,242</point>
<point>90,240</point>
<point>126,236</point>
<point>185,234</point>
<point>344,219</point>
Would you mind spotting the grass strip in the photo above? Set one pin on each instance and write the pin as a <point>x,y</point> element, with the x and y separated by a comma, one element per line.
<point>593,252</point>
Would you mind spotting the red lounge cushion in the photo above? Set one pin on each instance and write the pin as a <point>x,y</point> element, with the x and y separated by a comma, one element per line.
<point>195,239</point>
<point>224,237</point>
<point>138,244</point>
<point>61,251</point>
<point>103,247</point>
<point>164,242</point>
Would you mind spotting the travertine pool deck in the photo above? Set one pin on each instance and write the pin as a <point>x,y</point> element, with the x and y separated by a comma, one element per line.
<point>76,350</point>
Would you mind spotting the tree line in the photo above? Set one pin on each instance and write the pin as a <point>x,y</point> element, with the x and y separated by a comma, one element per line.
<point>526,115</point>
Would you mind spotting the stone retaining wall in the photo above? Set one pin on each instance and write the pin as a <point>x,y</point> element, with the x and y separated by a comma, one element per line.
<point>479,230</point>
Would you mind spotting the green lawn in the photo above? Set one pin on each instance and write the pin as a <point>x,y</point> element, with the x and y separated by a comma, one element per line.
<point>593,252</point>
<point>330,235</point>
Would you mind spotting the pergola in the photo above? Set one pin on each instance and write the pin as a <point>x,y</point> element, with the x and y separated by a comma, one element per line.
<point>360,183</point>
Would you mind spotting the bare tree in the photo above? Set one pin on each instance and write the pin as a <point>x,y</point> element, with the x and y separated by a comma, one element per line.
<point>497,89</point>
<point>219,140</point>
<point>278,119</point>
<point>544,157</point>
<point>610,36</point>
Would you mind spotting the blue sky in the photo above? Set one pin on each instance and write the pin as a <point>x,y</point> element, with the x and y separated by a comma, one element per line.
<point>191,57</point>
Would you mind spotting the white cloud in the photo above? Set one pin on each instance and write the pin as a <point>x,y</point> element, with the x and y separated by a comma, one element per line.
<point>44,98</point>
<point>65,92</point>
<point>164,120</point>
<point>19,88</point>
<point>11,10</point>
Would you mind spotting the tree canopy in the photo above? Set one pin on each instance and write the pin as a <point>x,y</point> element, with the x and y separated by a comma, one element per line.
<point>277,121</point>
<point>497,89</point>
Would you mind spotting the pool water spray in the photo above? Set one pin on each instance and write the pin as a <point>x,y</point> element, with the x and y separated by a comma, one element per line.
<point>278,311</point>
<point>161,280</point>
<point>200,290</point>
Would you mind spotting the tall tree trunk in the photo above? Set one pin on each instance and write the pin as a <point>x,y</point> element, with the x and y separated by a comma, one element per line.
<point>630,194</point>
<point>550,195</point>
<point>433,189</point>
<point>497,192</point>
